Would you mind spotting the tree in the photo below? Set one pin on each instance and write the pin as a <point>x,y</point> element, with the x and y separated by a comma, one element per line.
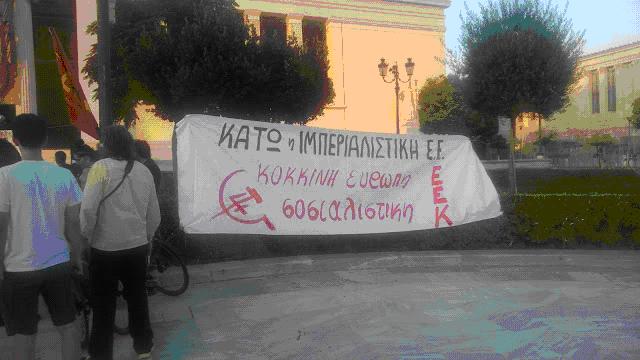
<point>198,56</point>
<point>519,56</point>
<point>634,118</point>
<point>546,139</point>
<point>600,142</point>
<point>437,101</point>
<point>442,110</point>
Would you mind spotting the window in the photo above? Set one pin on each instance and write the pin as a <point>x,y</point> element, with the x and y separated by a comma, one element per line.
<point>314,42</point>
<point>313,34</point>
<point>595,94</point>
<point>273,27</point>
<point>611,88</point>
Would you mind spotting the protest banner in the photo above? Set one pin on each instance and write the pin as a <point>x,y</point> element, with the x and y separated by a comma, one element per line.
<point>246,177</point>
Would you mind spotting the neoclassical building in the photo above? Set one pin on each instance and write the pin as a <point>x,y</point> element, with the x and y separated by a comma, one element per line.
<point>602,99</point>
<point>35,84</point>
<point>357,33</point>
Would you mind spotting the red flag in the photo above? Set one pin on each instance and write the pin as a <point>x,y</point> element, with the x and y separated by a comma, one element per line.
<point>7,64</point>
<point>81,115</point>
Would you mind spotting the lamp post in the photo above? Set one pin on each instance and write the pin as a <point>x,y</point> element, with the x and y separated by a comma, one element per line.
<point>382,68</point>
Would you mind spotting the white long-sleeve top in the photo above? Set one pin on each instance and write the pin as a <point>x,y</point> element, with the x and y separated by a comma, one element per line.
<point>129,217</point>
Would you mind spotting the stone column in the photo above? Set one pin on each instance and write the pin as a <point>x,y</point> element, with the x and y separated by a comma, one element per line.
<point>23,30</point>
<point>294,27</point>
<point>252,18</point>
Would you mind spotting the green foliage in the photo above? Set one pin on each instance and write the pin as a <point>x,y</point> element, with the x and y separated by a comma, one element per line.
<point>581,181</point>
<point>600,140</point>
<point>528,149</point>
<point>519,56</point>
<point>571,219</point>
<point>198,56</point>
<point>575,207</point>
<point>438,100</point>
<point>443,111</point>
<point>126,91</point>
<point>546,139</point>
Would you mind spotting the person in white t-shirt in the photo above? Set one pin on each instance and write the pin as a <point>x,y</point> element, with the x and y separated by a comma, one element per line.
<point>39,206</point>
<point>119,230</point>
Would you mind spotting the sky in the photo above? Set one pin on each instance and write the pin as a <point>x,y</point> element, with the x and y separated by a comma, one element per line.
<point>605,26</point>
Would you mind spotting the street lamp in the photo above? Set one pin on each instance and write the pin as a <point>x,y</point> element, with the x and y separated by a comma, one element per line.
<point>382,68</point>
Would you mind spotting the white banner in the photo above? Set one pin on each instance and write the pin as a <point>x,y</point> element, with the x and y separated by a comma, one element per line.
<point>247,177</point>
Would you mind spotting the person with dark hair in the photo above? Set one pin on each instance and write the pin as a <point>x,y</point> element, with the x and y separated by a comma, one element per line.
<point>84,158</point>
<point>144,156</point>
<point>61,160</point>
<point>119,216</point>
<point>8,153</point>
<point>39,241</point>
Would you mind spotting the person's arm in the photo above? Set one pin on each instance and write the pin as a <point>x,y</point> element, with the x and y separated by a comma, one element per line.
<point>153,213</point>
<point>157,175</point>
<point>93,192</point>
<point>4,219</point>
<point>4,230</point>
<point>77,242</point>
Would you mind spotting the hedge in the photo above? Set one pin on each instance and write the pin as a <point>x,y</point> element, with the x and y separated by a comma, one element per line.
<point>574,207</point>
<point>579,219</point>
<point>561,208</point>
<point>622,181</point>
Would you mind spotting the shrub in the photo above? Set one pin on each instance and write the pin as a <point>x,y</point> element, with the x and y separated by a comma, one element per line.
<point>581,218</point>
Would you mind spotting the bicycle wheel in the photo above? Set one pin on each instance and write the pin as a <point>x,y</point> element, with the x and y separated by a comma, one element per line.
<point>168,274</point>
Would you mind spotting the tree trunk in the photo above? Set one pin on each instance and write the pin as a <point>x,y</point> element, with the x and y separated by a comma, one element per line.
<point>540,145</point>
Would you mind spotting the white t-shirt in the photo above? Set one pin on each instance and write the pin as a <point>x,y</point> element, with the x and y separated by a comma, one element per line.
<point>36,194</point>
<point>129,217</point>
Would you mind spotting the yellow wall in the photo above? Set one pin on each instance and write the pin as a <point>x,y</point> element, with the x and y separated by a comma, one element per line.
<point>626,61</point>
<point>363,101</point>
<point>528,125</point>
<point>359,33</point>
<point>156,131</point>
<point>578,120</point>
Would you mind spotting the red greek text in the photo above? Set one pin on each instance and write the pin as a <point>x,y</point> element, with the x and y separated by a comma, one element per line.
<point>438,200</point>
<point>347,210</point>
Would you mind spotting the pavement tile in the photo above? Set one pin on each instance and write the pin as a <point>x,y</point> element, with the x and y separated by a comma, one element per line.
<point>431,305</point>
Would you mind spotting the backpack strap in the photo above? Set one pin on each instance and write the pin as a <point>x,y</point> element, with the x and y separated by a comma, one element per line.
<point>127,170</point>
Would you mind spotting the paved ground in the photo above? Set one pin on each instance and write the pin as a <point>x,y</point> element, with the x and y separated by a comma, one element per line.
<point>414,305</point>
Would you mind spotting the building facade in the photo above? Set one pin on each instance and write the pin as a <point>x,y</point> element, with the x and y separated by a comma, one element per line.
<point>36,86</point>
<point>601,101</point>
<point>357,34</point>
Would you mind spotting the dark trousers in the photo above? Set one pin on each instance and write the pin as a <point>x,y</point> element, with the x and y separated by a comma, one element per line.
<point>106,269</point>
